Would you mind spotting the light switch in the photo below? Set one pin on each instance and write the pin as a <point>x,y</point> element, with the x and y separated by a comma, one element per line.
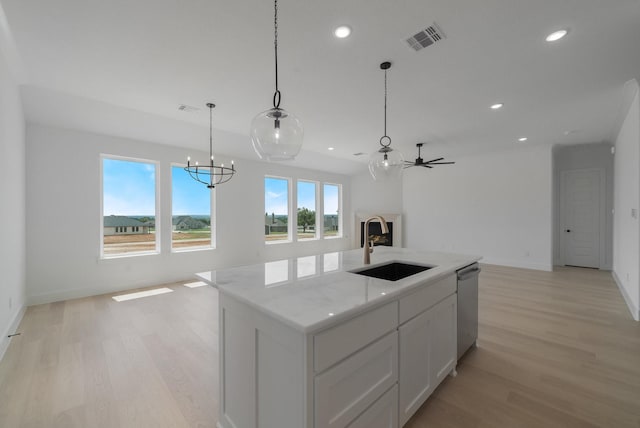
<point>634,213</point>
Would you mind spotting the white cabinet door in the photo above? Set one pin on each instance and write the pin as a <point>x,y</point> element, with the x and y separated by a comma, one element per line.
<point>427,354</point>
<point>415,365</point>
<point>348,388</point>
<point>444,321</point>
<point>382,414</point>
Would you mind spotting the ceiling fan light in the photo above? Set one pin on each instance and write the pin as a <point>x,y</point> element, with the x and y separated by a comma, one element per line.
<point>276,135</point>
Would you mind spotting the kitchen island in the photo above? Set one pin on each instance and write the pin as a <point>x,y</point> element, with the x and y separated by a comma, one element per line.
<point>306,343</point>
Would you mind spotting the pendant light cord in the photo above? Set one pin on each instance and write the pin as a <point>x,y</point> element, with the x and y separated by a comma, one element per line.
<point>276,95</point>
<point>211,133</point>
<point>385,103</point>
<point>385,137</point>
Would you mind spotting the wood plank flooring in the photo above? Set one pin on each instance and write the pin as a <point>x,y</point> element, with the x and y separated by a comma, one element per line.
<point>556,349</point>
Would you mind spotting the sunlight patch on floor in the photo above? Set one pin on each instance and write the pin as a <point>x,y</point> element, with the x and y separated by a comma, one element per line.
<point>195,284</point>
<point>139,294</point>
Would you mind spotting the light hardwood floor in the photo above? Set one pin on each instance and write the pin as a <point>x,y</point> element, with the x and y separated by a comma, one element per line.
<point>556,349</point>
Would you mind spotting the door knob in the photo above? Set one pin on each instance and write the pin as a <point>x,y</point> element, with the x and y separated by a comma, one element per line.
<point>568,230</point>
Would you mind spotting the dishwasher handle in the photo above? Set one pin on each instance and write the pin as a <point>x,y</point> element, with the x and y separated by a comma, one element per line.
<point>468,272</point>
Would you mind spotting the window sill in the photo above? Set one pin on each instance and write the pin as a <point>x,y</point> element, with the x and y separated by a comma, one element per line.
<point>287,241</point>
<point>192,250</point>
<point>128,255</point>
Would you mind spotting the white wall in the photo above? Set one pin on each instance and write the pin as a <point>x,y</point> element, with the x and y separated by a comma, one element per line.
<point>626,241</point>
<point>12,205</point>
<point>63,214</point>
<point>497,205</point>
<point>597,156</point>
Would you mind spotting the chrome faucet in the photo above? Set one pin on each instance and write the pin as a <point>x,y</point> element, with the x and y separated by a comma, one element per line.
<point>368,243</point>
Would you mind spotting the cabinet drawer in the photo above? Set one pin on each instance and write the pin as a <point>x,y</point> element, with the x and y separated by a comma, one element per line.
<point>337,343</point>
<point>346,390</point>
<point>382,414</point>
<point>417,302</point>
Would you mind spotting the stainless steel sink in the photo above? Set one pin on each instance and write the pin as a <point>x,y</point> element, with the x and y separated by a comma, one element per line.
<point>393,271</point>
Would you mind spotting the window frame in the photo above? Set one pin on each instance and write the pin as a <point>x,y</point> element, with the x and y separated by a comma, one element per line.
<point>157,202</point>
<point>340,233</point>
<point>318,224</point>
<point>290,215</point>
<point>212,216</point>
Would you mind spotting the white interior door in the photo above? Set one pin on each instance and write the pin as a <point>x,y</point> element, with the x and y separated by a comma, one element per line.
<point>581,198</point>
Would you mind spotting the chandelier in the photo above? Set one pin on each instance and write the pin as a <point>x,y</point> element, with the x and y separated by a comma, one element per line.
<point>276,134</point>
<point>210,174</point>
<point>385,163</point>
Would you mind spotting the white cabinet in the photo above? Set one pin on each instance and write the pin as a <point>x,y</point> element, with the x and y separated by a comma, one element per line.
<point>347,389</point>
<point>427,354</point>
<point>383,413</point>
<point>443,335</point>
<point>373,370</point>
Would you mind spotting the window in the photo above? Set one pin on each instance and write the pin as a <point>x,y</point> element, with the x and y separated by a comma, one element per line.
<point>332,210</point>
<point>128,201</point>
<point>191,222</point>
<point>276,205</point>
<point>306,210</point>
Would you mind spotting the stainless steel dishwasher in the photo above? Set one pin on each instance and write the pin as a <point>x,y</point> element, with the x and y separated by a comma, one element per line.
<point>467,307</point>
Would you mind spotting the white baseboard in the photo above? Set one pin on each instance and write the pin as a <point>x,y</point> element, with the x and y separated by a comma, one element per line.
<point>517,264</point>
<point>11,328</point>
<point>635,312</point>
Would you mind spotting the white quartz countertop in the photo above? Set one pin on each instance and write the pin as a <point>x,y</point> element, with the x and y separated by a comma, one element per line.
<point>313,292</point>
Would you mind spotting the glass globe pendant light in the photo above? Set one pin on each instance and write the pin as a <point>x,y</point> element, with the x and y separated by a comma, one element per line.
<point>385,163</point>
<point>276,134</point>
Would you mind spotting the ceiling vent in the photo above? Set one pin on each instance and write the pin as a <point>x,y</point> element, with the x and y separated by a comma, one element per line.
<point>430,35</point>
<point>187,109</point>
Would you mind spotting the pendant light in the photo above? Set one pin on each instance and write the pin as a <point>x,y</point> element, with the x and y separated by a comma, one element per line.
<point>276,134</point>
<point>385,163</point>
<point>210,174</point>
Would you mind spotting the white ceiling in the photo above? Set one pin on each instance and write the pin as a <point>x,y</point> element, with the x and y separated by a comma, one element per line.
<point>122,67</point>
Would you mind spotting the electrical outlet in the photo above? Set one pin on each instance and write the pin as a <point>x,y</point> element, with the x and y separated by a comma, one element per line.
<point>634,213</point>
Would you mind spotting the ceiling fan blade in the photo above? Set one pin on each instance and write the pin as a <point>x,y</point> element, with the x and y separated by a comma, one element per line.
<point>434,160</point>
<point>441,163</point>
<point>426,166</point>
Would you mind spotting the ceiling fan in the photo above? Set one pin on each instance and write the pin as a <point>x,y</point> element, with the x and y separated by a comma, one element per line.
<point>428,164</point>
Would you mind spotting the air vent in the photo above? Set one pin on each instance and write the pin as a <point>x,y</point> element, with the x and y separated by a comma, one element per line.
<point>187,109</point>
<point>430,35</point>
<point>359,154</point>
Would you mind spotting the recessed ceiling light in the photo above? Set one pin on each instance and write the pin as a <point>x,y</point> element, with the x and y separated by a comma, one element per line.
<point>556,35</point>
<point>522,139</point>
<point>330,148</point>
<point>342,31</point>
<point>496,106</point>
